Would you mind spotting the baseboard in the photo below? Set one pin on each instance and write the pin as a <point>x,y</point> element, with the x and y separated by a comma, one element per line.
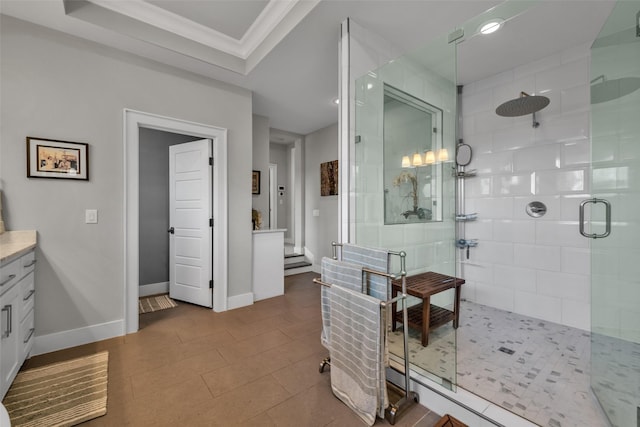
<point>153,289</point>
<point>238,301</point>
<point>74,337</point>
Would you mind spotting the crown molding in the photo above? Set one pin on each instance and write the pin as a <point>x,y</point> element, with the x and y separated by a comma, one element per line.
<point>150,14</point>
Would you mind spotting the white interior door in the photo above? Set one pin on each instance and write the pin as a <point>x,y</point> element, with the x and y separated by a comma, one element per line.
<point>191,230</point>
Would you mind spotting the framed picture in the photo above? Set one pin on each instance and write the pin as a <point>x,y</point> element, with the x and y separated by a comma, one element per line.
<point>329,178</point>
<point>255,182</point>
<point>49,158</point>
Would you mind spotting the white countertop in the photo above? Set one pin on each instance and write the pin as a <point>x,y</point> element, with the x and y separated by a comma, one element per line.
<point>16,243</point>
<point>267,230</point>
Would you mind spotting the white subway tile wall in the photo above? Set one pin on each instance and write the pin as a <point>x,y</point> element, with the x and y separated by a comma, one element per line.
<point>429,246</point>
<point>538,267</point>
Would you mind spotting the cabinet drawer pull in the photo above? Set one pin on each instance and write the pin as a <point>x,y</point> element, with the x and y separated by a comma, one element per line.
<point>31,331</point>
<point>31,292</point>
<point>33,261</point>
<point>7,331</point>
<point>10,278</point>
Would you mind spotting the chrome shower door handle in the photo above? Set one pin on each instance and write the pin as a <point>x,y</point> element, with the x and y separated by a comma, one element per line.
<point>607,229</point>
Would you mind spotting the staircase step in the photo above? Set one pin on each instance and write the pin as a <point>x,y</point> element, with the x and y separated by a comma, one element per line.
<point>297,270</point>
<point>295,260</point>
<point>292,255</point>
<point>297,265</point>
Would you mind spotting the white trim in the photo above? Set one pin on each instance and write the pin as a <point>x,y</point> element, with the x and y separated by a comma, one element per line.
<point>345,198</point>
<point>154,289</point>
<point>297,193</point>
<point>273,195</point>
<point>75,337</point>
<point>133,121</point>
<point>241,300</point>
<point>150,14</point>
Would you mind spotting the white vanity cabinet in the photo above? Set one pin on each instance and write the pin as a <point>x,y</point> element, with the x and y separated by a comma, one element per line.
<point>17,301</point>
<point>9,341</point>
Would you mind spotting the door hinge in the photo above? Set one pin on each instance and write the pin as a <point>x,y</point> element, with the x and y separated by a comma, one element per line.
<point>211,161</point>
<point>210,284</point>
<point>210,222</point>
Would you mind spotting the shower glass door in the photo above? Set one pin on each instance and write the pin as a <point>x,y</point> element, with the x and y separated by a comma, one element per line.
<point>404,186</point>
<point>615,263</point>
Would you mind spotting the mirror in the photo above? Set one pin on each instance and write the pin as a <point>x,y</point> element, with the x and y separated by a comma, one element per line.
<point>463,155</point>
<point>413,157</point>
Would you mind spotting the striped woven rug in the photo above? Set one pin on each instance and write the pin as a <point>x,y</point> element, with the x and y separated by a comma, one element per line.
<point>155,303</point>
<point>61,394</point>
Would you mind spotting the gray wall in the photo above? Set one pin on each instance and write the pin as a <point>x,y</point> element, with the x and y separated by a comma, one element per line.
<point>320,146</point>
<point>154,203</point>
<point>279,154</point>
<point>61,87</point>
<point>261,163</point>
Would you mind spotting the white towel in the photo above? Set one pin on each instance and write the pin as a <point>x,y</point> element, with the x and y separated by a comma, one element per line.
<point>375,259</point>
<point>336,273</point>
<point>357,372</point>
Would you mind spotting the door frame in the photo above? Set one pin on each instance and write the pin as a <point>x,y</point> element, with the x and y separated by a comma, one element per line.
<point>133,121</point>
<point>273,196</point>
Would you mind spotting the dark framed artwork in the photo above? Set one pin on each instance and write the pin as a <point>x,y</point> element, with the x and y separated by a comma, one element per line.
<point>255,182</point>
<point>50,158</point>
<point>329,178</point>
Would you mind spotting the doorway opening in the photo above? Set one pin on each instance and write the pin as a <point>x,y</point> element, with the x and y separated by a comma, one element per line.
<point>133,122</point>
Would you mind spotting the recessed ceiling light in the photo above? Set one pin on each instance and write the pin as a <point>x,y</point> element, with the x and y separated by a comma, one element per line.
<point>491,26</point>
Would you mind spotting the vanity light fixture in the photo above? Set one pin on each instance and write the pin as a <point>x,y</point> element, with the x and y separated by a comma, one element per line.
<point>443,155</point>
<point>491,26</point>
<point>406,162</point>
<point>417,159</point>
<point>429,158</point>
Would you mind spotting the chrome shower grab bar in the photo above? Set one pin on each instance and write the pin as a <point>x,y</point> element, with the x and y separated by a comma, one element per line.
<point>607,230</point>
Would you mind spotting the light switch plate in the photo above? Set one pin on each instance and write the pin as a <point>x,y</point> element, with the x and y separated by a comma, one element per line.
<point>316,212</point>
<point>91,216</point>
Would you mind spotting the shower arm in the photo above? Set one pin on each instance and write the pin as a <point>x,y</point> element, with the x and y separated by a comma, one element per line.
<point>535,124</point>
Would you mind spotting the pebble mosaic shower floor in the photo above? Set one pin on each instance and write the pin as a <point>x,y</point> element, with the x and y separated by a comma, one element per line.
<point>537,369</point>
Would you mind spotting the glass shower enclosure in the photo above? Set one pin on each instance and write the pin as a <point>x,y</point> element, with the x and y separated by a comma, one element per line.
<point>405,116</point>
<point>614,224</point>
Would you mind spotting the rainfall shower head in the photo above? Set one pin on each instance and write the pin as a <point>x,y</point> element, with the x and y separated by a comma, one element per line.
<point>608,90</point>
<point>525,104</point>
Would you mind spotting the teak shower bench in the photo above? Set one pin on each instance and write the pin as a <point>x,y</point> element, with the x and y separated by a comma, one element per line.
<point>423,286</point>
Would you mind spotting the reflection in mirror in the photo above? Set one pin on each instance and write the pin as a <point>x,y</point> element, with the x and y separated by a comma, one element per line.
<point>413,157</point>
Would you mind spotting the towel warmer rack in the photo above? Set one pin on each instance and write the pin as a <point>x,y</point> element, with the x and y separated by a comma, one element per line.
<point>394,410</point>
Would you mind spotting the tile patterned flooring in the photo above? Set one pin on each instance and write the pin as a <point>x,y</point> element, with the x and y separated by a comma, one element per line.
<point>258,366</point>
<point>253,366</point>
<point>546,378</point>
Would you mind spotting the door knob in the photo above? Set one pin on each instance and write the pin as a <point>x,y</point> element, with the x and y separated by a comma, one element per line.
<point>171,230</point>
